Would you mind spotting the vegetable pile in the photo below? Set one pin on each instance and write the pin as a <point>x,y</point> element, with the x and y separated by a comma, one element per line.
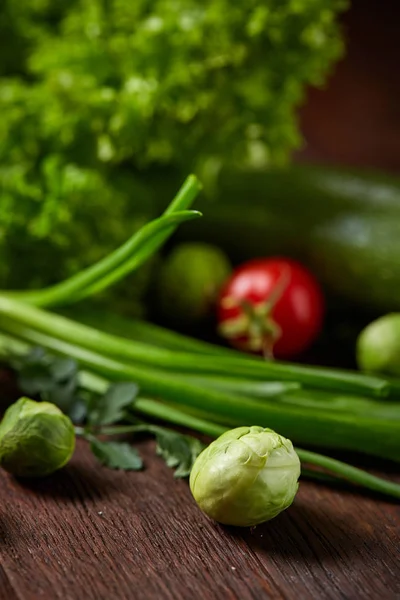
<point>187,382</point>
<point>343,224</point>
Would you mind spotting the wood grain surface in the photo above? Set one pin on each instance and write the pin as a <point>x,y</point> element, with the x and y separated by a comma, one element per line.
<point>91,533</point>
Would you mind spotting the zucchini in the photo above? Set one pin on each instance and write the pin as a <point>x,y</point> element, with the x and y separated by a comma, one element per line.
<point>357,256</point>
<point>313,192</point>
<point>343,224</point>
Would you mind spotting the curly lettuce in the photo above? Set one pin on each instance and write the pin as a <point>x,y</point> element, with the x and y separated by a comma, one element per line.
<point>97,96</point>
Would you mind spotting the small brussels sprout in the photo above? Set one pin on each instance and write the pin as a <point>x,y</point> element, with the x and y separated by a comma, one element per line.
<point>245,477</point>
<point>36,439</point>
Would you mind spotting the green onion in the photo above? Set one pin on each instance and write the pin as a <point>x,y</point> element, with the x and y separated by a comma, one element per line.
<point>138,352</point>
<point>143,331</point>
<point>246,387</point>
<point>350,473</point>
<point>292,393</point>
<point>124,259</point>
<point>315,427</point>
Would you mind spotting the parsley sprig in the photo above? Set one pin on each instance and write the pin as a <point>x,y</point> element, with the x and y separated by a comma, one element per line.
<point>100,418</point>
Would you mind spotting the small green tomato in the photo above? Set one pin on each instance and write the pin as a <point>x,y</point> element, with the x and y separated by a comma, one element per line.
<point>190,280</point>
<point>378,346</point>
<point>36,439</point>
<point>245,477</point>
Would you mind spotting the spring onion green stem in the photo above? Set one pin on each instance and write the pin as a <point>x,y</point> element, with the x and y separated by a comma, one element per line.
<point>318,428</point>
<point>243,387</point>
<point>143,331</point>
<point>305,398</point>
<point>357,476</point>
<point>350,473</point>
<point>127,257</point>
<point>140,245</point>
<point>321,476</point>
<point>137,352</point>
<point>155,240</point>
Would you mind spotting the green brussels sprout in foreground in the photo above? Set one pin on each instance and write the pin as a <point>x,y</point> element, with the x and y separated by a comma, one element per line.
<point>190,280</point>
<point>36,439</point>
<point>245,477</point>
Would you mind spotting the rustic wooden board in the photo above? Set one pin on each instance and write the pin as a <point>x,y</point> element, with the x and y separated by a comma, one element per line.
<point>88,532</point>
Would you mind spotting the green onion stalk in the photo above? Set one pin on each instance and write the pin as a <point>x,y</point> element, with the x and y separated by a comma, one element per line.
<point>126,350</point>
<point>142,331</point>
<point>330,429</point>
<point>124,259</point>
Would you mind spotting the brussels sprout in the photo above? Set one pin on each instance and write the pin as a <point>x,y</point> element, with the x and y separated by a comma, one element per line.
<point>245,477</point>
<point>36,439</point>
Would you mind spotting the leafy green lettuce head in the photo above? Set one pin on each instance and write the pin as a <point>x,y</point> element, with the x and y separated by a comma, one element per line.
<point>93,94</point>
<point>36,439</point>
<point>245,477</point>
<point>168,81</point>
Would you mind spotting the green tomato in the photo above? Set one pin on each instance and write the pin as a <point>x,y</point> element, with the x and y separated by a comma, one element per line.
<point>378,346</point>
<point>245,477</point>
<point>36,439</point>
<point>190,280</point>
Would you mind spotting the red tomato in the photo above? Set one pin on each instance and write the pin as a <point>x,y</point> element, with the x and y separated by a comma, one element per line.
<point>271,305</point>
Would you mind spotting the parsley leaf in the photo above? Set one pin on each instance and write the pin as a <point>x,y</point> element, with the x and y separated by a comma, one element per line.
<point>109,408</point>
<point>34,371</point>
<point>54,379</point>
<point>116,455</point>
<point>179,451</point>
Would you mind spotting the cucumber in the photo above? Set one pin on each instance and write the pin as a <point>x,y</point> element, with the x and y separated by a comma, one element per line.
<point>342,224</point>
<point>313,190</point>
<point>357,256</point>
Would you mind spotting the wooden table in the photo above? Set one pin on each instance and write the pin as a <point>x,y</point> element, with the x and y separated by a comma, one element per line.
<point>91,533</point>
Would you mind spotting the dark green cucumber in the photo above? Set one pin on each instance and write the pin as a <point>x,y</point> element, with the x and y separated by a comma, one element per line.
<point>313,192</point>
<point>343,224</point>
<point>358,257</point>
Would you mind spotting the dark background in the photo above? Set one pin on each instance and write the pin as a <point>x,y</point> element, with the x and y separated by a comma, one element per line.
<point>356,119</point>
